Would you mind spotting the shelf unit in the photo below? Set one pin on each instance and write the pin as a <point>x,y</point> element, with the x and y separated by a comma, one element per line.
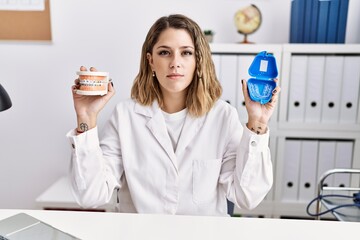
<point>231,64</point>
<point>284,128</point>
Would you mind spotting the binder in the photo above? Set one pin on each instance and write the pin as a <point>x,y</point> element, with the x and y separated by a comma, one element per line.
<point>350,89</point>
<point>314,86</point>
<point>216,61</point>
<point>297,88</point>
<point>228,77</point>
<point>308,21</point>
<point>290,183</point>
<point>343,159</point>
<point>323,16</point>
<point>244,62</point>
<point>333,21</point>
<point>326,160</point>
<point>297,21</point>
<point>308,170</point>
<point>343,13</point>
<point>314,21</point>
<point>293,22</point>
<point>332,89</point>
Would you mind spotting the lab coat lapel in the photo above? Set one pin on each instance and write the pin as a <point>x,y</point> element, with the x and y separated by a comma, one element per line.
<point>157,127</point>
<point>191,127</point>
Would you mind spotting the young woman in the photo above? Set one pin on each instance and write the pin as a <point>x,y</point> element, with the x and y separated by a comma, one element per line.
<point>174,147</point>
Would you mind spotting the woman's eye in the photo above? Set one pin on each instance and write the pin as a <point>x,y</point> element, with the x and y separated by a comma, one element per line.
<point>164,52</point>
<point>189,53</point>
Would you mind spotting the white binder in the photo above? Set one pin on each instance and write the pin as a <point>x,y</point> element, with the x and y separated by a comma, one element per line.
<point>244,62</point>
<point>343,159</point>
<point>308,170</point>
<point>228,77</point>
<point>350,89</point>
<point>332,89</point>
<point>314,86</point>
<point>297,88</point>
<point>216,60</point>
<point>326,160</point>
<point>290,182</point>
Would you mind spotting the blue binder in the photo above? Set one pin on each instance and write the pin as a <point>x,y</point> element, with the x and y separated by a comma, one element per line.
<point>293,20</point>
<point>308,20</point>
<point>343,12</point>
<point>297,21</point>
<point>314,18</point>
<point>333,21</point>
<point>323,15</point>
<point>318,21</point>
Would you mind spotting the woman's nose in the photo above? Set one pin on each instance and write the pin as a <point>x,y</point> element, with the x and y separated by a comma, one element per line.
<point>174,66</point>
<point>175,62</point>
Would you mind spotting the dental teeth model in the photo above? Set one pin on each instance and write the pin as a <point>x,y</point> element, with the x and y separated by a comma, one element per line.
<point>93,83</point>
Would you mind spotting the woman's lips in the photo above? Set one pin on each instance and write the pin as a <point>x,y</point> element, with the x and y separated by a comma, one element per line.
<point>175,76</point>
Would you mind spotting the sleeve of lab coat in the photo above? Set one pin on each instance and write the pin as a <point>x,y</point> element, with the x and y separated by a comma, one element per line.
<point>95,170</point>
<point>246,173</point>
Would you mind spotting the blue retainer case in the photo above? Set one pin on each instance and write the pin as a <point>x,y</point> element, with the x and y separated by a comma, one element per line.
<point>263,70</point>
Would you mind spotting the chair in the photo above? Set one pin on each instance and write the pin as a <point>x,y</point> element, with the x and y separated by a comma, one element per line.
<point>344,204</point>
<point>230,208</point>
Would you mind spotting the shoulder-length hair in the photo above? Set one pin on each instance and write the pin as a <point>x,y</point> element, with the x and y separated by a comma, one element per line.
<point>203,91</point>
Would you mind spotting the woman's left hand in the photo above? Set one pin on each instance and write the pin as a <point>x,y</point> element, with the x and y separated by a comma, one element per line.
<point>259,114</point>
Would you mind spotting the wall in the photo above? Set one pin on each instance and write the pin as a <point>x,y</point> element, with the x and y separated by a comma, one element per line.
<point>107,34</point>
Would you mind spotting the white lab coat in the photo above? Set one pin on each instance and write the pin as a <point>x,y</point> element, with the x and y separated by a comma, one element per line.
<point>216,158</point>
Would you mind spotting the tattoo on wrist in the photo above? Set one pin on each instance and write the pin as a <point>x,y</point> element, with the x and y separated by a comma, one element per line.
<point>258,129</point>
<point>83,127</point>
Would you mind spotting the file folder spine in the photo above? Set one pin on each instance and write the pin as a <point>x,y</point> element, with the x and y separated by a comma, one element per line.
<point>297,21</point>
<point>307,183</point>
<point>324,7</point>
<point>296,108</point>
<point>314,85</point>
<point>333,21</point>
<point>350,90</point>
<point>228,76</point>
<point>308,20</point>
<point>343,13</point>
<point>314,19</point>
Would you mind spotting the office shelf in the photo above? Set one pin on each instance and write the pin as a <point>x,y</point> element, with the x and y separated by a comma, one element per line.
<point>341,130</point>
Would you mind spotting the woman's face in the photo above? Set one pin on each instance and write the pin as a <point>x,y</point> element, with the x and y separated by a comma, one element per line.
<point>173,61</point>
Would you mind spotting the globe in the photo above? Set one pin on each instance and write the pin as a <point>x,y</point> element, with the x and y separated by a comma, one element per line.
<point>247,20</point>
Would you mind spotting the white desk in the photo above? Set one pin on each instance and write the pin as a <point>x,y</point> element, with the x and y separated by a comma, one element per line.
<point>108,226</point>
<point>59,197</point>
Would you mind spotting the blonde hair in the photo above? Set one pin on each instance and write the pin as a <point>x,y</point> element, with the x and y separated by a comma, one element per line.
<point>204,89</point>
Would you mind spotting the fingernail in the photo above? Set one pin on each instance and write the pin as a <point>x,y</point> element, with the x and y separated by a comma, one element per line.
<point>112,84</point>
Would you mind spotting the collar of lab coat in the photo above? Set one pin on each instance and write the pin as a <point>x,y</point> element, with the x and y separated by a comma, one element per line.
<point>157,127</point>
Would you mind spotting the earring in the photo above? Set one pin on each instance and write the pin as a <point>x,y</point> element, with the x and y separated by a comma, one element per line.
<point>153,73</point>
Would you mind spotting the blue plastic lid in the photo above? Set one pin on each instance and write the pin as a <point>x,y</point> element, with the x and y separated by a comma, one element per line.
<point>263,66</point>
<point>264,70</point>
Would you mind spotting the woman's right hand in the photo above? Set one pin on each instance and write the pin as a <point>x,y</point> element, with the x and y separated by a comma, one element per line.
<point>88,107</point>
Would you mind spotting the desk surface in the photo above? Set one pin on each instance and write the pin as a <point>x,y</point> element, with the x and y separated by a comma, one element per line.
<point>108,225</point>
<point>59,196</point>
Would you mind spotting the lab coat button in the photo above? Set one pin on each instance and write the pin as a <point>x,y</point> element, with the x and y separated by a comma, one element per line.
<point>253,143</point>
<point>73,146</point>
